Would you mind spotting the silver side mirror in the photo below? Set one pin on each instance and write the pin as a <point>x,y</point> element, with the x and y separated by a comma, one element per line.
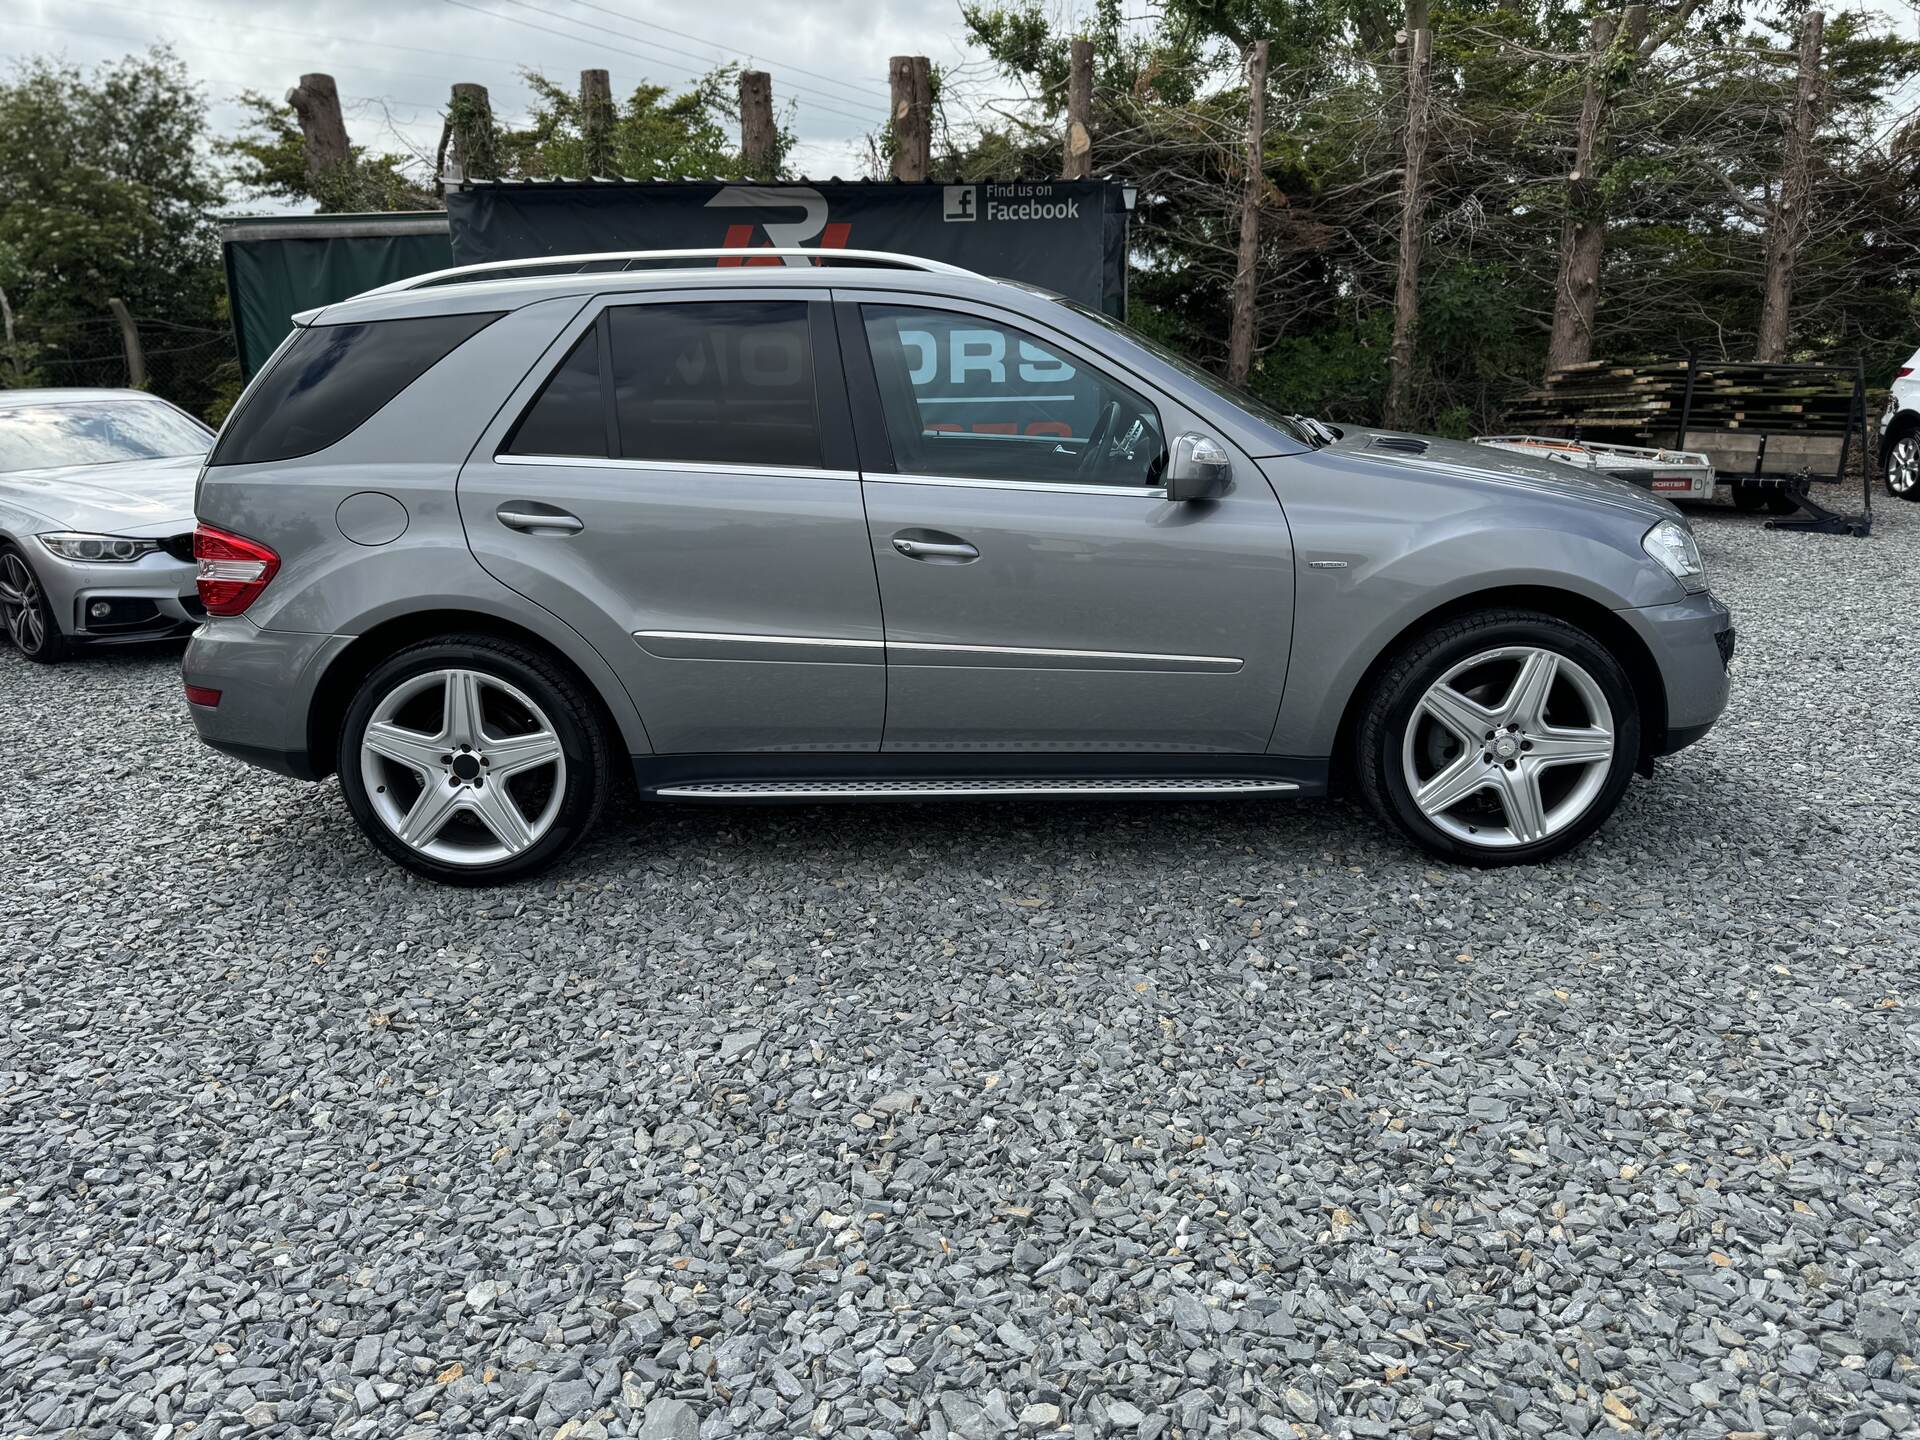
<point>1199,469</point>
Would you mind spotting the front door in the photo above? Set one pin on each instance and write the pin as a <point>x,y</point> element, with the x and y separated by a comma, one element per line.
<point>1040,591</point>
<point>676,481</point>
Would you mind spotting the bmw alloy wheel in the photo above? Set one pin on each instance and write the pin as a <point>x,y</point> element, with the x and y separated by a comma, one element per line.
<point>463,767</point>
<point>21,606</point>
<point>1509,747</point>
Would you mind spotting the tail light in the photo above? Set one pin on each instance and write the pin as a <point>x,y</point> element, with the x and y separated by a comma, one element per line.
<point>233,569</point>
<point>1903,372</point>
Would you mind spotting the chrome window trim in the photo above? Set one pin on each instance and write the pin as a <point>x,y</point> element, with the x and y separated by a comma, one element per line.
<point>696,467</point>
<point>1045,487</point>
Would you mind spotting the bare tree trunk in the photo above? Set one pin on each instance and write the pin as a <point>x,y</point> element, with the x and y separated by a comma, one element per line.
<point>316,101</point>
<point>1787,226</point>
<point>1583,235</point>
<point>1406,293</point>
<point>759,139</point>
<point>13,352</point>
<point>1076,160</point>
<point>130,339</point>
<point>470,118</point>
<point>912,85</point>
<point>596,122</point>
<point>1240,335</point>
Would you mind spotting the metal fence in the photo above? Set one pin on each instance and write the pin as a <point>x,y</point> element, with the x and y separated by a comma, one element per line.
<point>194,366</point>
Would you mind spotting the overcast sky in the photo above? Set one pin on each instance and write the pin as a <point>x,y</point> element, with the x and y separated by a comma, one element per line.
<point>394,59</point>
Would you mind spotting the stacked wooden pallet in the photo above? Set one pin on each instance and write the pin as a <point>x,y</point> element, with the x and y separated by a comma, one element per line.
<point>1643,404</point>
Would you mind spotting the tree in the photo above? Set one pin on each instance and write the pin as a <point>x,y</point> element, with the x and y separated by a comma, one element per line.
<point>654,133</point>
<point>106,189</point>
<point>269,158</point>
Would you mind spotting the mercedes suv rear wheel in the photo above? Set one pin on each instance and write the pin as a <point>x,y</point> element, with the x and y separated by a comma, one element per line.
<point>473,760</point>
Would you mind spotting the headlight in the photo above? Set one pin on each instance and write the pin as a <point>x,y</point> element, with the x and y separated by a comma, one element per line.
<point>1671,544</point>
<point>98,549</point>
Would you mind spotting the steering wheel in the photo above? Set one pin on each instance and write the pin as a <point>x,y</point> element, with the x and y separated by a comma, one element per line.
<point>1101,429</point>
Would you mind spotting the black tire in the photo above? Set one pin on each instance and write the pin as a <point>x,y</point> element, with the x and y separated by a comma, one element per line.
<point>1749,499</point>
<point>568,709</point>
<point>1394,698</point>
<point>24,612</point>
<point>1900,471</point>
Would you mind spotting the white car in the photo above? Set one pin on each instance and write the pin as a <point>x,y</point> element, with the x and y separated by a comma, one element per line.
<point>96,518</point>
<point>1900,433</point>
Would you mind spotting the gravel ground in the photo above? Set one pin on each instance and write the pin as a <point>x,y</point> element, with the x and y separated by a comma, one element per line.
<point>1226,1120</point>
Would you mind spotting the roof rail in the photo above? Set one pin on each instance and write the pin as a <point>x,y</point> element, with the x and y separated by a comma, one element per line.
<point>573,264</point>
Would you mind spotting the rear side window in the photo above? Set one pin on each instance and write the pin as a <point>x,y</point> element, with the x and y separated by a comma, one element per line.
<point>332,379</point>
<point>723,382</point>
<point>569,415</point>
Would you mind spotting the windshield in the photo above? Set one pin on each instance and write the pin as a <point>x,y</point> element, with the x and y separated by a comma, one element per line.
<point>95,432</point>
<point>1238,395</point>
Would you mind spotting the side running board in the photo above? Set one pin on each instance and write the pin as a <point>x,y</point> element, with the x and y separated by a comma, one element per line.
<point>979,789</point>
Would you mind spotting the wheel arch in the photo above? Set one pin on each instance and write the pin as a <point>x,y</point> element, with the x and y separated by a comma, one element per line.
<point>1906,423</point>
<point>334,689</point>
<point>1643,672</point>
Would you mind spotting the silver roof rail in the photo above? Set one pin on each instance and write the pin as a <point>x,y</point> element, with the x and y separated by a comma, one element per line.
<point>572,264</point>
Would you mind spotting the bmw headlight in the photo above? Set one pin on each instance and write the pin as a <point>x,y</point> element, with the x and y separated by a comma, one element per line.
<point>1671,545</point>
<point>98,549</point>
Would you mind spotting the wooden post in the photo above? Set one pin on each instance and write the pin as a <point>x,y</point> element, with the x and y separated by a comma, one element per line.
<point>316,101</point>
<point>130,339</point>
<point>6,324</point>
<point>470,125</point>
<point>759,140</point>
<point>1076,160</point>
<point>1406,293</point>
<point>912,83</point>
<point>596,123</point>
<point>1787,225</point>
<point>1240,332</point>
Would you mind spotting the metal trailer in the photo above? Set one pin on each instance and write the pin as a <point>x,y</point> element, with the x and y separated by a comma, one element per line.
<point>1675,474</point>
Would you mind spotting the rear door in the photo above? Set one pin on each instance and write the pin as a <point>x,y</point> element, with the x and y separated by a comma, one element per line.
<point>676,481</point>
<point>1040,591</point>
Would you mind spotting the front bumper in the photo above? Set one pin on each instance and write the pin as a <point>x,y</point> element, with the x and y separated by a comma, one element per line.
<point>266,680</point>
<point>148,599</point>
<point>1692,644</point>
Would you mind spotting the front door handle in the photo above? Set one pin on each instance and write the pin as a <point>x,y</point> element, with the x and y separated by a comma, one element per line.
<point>916,549</point>
<point>536,520</point>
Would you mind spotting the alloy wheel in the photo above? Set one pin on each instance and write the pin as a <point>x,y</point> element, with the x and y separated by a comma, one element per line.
<point>20,605</point>
<point>1903,467</point>
<point>463,767</point>
<point>1509,747</point>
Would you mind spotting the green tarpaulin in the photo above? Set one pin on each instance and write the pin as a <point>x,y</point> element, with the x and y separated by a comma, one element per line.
<point>281,265</point>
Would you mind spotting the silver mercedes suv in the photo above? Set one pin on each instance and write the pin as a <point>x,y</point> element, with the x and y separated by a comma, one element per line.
<point>883,529</point>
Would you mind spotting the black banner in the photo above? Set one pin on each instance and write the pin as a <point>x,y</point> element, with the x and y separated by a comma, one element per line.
<point>1066,235</point>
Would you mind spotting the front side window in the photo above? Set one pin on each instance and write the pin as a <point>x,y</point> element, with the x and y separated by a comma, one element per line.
<point>717,382</point>
<point>973,398</point>
<point>332,379</point>
<point>96,432</point>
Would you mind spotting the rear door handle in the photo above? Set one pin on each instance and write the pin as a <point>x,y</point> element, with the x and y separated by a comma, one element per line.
<point>532,520</point>
<point>934,549</point>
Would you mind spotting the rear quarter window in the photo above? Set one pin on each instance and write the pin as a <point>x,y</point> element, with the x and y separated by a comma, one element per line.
<point>332,379</point>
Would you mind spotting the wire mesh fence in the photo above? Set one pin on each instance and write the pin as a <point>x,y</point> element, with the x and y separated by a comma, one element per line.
<point>194,366</point>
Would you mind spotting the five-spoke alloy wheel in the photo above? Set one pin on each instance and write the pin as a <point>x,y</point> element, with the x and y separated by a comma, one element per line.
<point>24,609</point>
<point>472,760</point>
<point>1500,737</point>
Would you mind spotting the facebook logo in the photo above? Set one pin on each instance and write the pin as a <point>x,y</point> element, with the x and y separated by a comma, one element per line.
<point>959,203</point>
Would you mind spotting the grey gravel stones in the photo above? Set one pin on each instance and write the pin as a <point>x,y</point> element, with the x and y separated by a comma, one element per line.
<point>979,1122</point>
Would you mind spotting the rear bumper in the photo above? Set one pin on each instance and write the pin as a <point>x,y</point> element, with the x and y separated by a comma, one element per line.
<point>266,680</point>
<point>1692,644</point>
